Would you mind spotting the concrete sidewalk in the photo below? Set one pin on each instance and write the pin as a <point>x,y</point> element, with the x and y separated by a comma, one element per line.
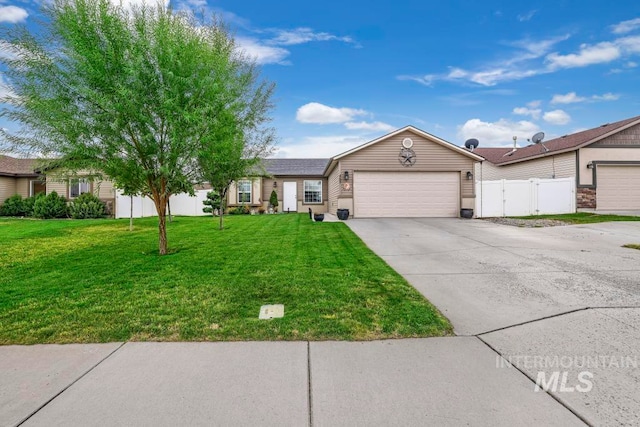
<point>432,381</point>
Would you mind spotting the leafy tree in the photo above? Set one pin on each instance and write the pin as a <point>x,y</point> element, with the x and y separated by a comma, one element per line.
<point>147,95</point>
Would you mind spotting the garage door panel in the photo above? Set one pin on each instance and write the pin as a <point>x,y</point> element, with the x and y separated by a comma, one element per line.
<point>408,194</point>
<point>618,187</point>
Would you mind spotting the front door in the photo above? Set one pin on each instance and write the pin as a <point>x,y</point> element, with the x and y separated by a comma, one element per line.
<point>290,198</point>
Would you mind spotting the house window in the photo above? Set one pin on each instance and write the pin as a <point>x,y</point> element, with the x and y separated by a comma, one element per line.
<point>313,191</point>
<point>78,187</point>
<point>244,191</point>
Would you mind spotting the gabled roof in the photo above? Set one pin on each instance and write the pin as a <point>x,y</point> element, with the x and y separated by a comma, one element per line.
<point>295,167</point>
<point>419,132</point>
<point>10,166</point>
<point>560,145</point>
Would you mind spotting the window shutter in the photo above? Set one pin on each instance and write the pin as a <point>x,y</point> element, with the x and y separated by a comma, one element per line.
<point>232,194</point>
<point>256,191</point>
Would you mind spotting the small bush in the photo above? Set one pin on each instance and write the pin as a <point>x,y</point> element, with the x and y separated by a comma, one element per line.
<point>240,210</point>
<point>86,206</point>
<point>50,206</point>
<point>273,200</point>
<point>13,206</point>
<point>29,202</point>
<point>212,203</point>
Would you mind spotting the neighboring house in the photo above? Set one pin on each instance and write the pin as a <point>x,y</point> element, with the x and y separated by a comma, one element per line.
<point>605,162</point>
<point>24,177</point>
<point>19,176</point>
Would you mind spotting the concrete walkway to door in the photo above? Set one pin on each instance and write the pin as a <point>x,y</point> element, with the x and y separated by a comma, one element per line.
<point>560,299</point>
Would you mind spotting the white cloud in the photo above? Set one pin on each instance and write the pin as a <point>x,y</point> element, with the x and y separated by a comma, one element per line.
<point>606,97</point>
<point>426,80</point>
<point>588,55</point>
<point>526,16</point>
<point>516,67</point>
<point>305,35</point>
<point>319,146</point>
<point>12,14</point>
<point>369,126</point>
<point>569,98</point>
<point>4,89</point>
<point>315,112</point>
<point>556,117</point>
<point>534,104</point>
<point>572,98</point>
<point>629,45</point>
<point>262,53</point>
<point>626,26</point>
<point>524,111</point>
<point>498,133</point>
<point>129,4</point>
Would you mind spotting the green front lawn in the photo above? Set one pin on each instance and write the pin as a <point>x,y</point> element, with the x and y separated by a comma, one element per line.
<point>65,281</point>
<point>583,218</point>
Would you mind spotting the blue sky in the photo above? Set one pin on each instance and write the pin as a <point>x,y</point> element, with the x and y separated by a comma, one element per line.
<point>348,72</point>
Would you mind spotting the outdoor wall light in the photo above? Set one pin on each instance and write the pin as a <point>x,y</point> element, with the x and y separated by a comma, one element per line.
<point>346,175</point>
<point>469,175</point>
<point>275,184</point>
<point>590,165</point>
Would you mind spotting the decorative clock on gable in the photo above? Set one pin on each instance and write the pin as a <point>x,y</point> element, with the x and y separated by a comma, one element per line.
<point>407,157</point>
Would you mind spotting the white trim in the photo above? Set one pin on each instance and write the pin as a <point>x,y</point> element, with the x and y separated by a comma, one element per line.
<point>304,191</point>
<point>244,192</point>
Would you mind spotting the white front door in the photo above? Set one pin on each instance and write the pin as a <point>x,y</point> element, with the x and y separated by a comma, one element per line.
<point>290,198</point>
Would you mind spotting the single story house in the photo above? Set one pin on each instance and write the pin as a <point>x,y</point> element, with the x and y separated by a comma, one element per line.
<point>605,162</point>
<point>406,173</point>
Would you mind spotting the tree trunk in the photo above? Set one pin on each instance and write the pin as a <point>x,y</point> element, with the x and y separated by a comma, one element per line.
<point>169,206</point>
<point>161,207</point>
<point>131,214</point>
<point>221,213</point>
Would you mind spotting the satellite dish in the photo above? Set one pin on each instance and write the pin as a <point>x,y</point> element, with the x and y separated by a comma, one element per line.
<point>471,144</point>
<point>537,138</point>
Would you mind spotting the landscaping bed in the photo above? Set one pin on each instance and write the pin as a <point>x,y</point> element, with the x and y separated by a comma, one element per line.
<point>66,281</point>
<point>562,219</point>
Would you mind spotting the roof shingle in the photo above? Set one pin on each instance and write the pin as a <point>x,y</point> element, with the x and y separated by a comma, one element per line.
<point>295,167</point>
<point>10,166</point>
<point>563,143</point>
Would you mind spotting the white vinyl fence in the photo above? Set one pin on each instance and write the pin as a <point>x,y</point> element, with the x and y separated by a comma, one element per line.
<point>527,197</point>
<point>181,204</point>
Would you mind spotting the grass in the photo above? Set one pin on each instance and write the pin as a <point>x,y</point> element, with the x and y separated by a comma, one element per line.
<point>583,218</point>
<point>632,246</point>
<point>64,281</point>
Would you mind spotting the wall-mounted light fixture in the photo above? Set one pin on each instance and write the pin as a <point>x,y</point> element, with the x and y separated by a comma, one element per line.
<point>275,184</point>
<point>346,175</point>
<point>469,175</point>
<point>590,165</point>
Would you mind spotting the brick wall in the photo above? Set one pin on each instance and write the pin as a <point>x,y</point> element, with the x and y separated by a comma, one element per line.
<point>586,198</point>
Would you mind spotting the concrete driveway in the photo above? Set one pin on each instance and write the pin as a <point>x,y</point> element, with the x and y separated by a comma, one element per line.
<point>561,301</point>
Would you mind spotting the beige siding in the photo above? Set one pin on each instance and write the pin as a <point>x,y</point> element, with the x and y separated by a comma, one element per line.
<point>558,166</point>
<point>430,157</point>
<point>618,188</point>
<point>333,190</point>
<point>7,188</point>
<point>630,136</point>
<point>59,187</point>
<point>22,186</point>
<point>104,189</point>
<point>603,154</point>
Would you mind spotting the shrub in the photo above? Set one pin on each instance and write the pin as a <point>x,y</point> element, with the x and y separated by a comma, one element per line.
<point>50,206</point>
<point>85,206</point>
<point>29,202</point>
<point>273,200</point>
<point>212,203</point>
<point>13,206</point>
